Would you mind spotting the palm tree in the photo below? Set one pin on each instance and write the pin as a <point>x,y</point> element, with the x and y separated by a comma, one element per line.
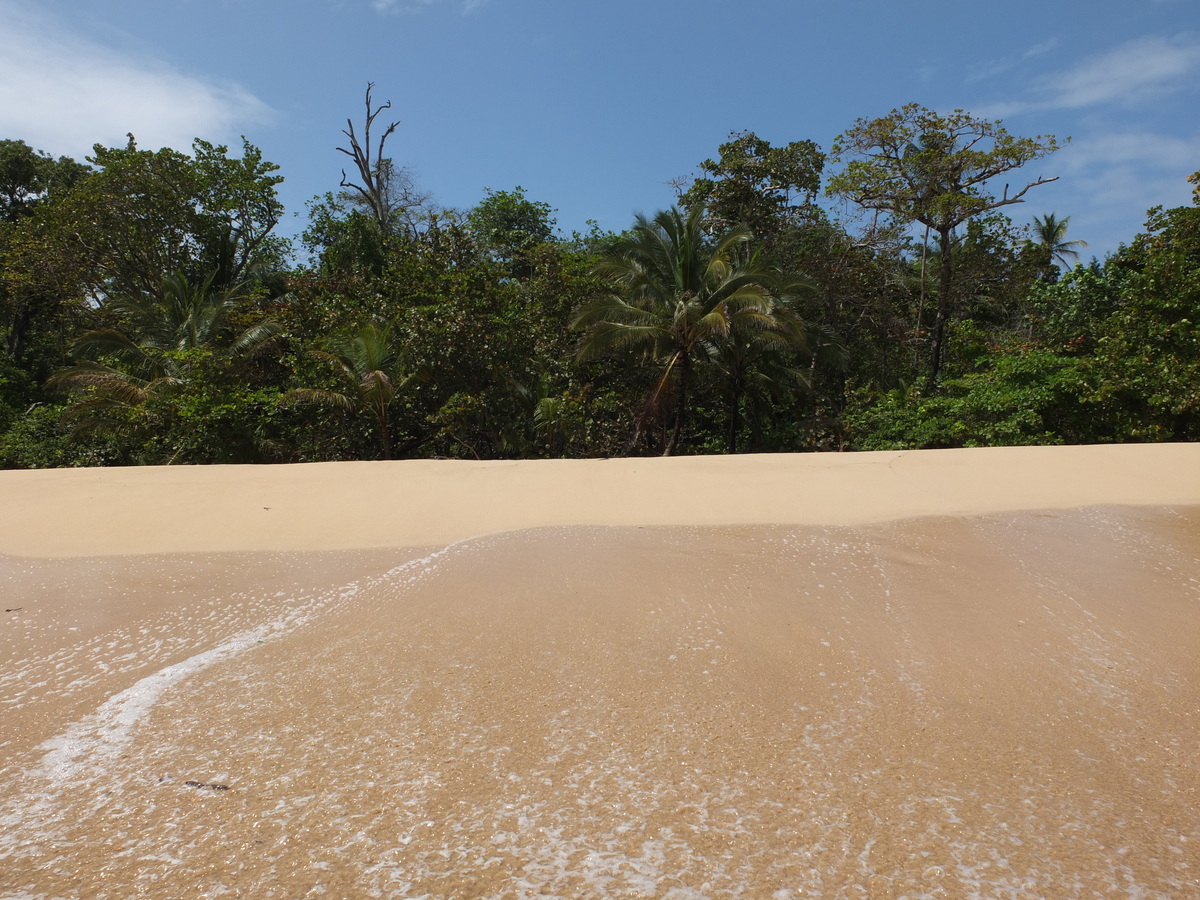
<point>154,348</point>
<point>1050,232</point>
<point>372,361</point>
<point>670,294</point>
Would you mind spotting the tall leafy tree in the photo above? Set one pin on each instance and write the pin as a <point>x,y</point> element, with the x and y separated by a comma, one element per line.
<point>152,230</point>
<point>760,365</point>
<point>754,184</point>
<point>29,181</point>
<point>145,215</point>
<point>509,226</point>
<point>1145,365</point>
<point>28,177</point>
<point>921,166</point>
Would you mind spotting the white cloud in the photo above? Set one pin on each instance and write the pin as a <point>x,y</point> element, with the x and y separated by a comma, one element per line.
<point>1135,72</point>
<point>1131,170</point>
<point>415,6</point>
<point>1110,180</point>
<point>994,67</point>
<point>990,69</point>
<point>1128,74</point>
<point>1039,49</point>
<point>61,92</point>
<point>1151,150</point>
<point>1134,143</point>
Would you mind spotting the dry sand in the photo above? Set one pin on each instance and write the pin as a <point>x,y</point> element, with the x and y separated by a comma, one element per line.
<point>961,674</point>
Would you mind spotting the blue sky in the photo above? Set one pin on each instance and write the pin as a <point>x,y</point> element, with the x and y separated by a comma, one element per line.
<point>594,107</point>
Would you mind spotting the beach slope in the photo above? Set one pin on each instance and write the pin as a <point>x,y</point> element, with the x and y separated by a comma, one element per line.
<point>966,673</point>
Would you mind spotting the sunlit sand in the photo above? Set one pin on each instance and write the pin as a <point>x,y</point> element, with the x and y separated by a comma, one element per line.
<point>942,674</point>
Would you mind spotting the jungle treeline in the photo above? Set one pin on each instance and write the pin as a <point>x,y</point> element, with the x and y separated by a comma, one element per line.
<point>877,294</point>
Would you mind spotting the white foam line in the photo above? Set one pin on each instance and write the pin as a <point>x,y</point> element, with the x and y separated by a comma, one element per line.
<point>110,727</point>
<point>89,743</point>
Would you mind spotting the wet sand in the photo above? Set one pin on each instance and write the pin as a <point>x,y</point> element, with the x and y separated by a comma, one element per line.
<point>998,704</point>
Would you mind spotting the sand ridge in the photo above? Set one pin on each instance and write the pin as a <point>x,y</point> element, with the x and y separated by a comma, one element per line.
<point>336,506</point>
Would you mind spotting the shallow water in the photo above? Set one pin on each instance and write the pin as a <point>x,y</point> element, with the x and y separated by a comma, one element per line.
<point>989,707</point>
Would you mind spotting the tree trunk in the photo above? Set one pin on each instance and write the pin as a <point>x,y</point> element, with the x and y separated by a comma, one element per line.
<point>943,308</point>
<point>680,405</point>
<point>920,306</point>
<point>16,333</point>
<point>735,419</point>
<point>385,436</point>
<point>637,434</point>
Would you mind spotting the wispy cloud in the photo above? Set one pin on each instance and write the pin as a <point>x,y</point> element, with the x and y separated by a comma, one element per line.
<point>416,6</point>
<point>1128,74</point>
<point>1144,149</point>
<point>1038,49</point>
<point>62,92</point>
<point>994,67</point>
<point>1115,168</point>
<point>1134,72</point>
<point>1116,177</point>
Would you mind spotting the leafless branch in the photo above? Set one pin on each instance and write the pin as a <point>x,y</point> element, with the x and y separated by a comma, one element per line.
<point>373,190</point>
<point>1006,200</point>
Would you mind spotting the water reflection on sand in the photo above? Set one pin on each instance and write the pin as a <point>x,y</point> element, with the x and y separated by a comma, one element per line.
<point>996,706</point>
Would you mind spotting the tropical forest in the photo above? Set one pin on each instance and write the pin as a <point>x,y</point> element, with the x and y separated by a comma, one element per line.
<point>876,292</point>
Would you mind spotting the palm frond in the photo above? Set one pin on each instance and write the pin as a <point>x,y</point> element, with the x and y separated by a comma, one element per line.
<point>318,397</point>
<point>256,339</point>
<point>105,341</point>
<point>671,292</point>
<point>605,337</point>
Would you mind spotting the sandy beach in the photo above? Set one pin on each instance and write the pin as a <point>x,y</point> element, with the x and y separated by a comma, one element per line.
<point>931,674</point>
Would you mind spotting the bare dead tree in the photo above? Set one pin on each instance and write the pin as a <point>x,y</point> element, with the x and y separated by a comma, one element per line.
<point>386,191</point>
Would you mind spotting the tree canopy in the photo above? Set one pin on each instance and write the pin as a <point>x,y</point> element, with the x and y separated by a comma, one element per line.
<point>918,165</point>
<point>151,313</point>
<point>756,185</point>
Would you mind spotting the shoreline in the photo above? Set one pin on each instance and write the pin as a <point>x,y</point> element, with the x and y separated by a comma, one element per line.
<point>421,503</point>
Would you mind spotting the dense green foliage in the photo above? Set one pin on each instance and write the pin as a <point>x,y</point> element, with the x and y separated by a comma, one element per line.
<point>151,316</point>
